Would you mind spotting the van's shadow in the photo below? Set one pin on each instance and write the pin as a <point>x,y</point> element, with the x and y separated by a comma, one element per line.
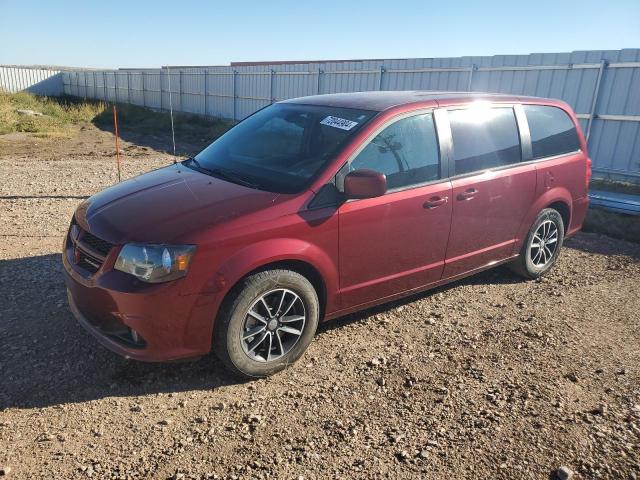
<point>47,359</point>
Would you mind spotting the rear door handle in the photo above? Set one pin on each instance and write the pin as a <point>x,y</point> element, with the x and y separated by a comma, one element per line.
<point>468,194</point>
<point>434,202</point>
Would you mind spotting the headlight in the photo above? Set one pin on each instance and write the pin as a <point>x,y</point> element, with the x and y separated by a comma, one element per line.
<point>155,263</point>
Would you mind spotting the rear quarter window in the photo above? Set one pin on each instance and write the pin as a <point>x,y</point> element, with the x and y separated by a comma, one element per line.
<point>552,131</point>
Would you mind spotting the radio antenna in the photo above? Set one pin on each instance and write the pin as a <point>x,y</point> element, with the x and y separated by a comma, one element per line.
<point>173,133</point>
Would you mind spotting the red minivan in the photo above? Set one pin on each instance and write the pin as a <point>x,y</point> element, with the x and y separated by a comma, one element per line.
<point>319,206</point>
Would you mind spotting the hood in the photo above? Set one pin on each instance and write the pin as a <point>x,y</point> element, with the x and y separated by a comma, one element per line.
<point>166,204</point>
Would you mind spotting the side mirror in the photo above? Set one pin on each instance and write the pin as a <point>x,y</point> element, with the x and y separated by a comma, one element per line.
<point>365,183</point>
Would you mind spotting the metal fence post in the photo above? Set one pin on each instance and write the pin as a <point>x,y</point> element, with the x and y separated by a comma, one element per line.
<point>318,82</point>
<point>271,78</point>
<point>128,88</point>
<point>11,74</point>
<point>115,85</point>
<point>471,70</point>
<point>235,72</point>
<point>161,90</point>
<point>104,86</point>
<point>95,86</point>
<point>144,97</point>
<point>380,77</point>
<point>594,99</point>
<point>205,93</point>
<point>84,76</point>
<point>180,89</point>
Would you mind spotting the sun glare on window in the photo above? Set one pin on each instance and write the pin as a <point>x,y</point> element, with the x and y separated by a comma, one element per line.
<point>479,112</point>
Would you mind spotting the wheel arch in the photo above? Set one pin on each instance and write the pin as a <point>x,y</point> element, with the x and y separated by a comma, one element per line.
<point>307,259</point>
<point>558,198</point>
<point>306,269</point>
<point>564,210</point>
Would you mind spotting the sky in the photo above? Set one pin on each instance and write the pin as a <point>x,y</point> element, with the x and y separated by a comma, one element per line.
<point>125,34</point>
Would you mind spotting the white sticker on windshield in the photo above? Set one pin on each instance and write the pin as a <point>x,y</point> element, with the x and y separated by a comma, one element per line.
<point>337,122</point>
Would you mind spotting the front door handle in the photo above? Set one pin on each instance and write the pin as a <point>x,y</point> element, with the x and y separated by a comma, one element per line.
<point>468,194</point>
<point>434,202</point>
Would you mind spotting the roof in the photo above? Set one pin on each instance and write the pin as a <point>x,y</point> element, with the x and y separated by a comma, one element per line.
<point>384,100</point>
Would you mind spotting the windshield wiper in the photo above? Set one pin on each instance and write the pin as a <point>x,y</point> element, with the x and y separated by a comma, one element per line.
<point>230,176</point>
<point>197,164</point>
<point>221,173</point>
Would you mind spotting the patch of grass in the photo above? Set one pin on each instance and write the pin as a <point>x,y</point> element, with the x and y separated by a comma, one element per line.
<point>143,120</point>
<point>59,115</point>
<point>615,186</point>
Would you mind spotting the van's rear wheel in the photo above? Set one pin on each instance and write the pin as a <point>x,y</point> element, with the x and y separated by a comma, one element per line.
<point>267,322</point>
<point>542,245</point>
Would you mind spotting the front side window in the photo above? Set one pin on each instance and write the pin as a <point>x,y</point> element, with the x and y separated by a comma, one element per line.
<point>552,131</point>
<point>484,137</point>
<point>281,148</point>
<point>406,152</point>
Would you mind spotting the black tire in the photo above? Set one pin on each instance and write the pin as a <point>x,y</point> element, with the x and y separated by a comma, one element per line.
<point>525,265</point>
<point>231,322</point>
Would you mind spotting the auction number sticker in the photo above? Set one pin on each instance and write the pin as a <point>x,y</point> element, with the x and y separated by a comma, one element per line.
<point>337,122</point>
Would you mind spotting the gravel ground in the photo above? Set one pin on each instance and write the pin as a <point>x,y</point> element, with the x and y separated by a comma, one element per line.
<point>490,377</point>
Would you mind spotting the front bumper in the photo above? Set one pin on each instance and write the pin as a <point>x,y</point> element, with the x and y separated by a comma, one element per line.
<point>152,323</point>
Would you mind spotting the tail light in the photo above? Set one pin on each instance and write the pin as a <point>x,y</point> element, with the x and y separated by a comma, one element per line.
<point>588,175</point>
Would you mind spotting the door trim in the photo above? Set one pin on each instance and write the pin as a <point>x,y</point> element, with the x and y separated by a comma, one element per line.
<point>412,291</point>
<point>525,135</point>
<point>393,276</point>
<point>445,140</point>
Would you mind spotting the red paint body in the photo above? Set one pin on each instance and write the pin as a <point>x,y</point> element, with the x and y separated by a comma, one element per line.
<point>364,252</point>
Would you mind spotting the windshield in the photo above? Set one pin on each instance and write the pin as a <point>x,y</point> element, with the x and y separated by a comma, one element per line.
<point>281,148</point>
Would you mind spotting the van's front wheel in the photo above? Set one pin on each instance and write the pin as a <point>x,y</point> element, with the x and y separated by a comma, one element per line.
<point>267,322</point>
<point>542,245</point>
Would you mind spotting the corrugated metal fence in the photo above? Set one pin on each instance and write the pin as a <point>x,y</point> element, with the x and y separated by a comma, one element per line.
<point>37,80</point>
<point>603,87</point>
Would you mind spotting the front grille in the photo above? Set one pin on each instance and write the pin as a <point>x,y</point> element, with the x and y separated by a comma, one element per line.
<point>89,251</point>
<point>101,246</point>
<point>89,263</point>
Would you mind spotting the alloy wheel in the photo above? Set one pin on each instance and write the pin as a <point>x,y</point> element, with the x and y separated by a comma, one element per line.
<point>544,243</point>
<point>273,325</point>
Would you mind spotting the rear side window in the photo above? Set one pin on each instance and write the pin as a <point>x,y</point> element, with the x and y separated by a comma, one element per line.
<point>406,152</point>
<point>552,131</point>
<point>483,138</point>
